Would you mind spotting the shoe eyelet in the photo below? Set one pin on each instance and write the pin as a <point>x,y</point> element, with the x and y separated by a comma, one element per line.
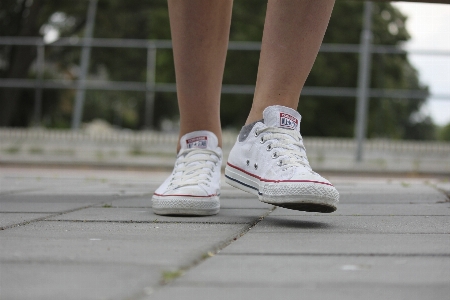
<point>256,166</point>
<point>269,147</point>
<point>262,140</point>
<point>274,155</point>
<point>280,163</point>
<point>256,133</point>
<point>248,163</point>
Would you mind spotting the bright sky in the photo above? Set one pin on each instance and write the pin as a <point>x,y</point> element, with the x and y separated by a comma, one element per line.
<point>429,26</point>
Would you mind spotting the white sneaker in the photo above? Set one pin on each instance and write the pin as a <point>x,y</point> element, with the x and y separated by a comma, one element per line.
<point>269,160</point>
<point>193,188</point>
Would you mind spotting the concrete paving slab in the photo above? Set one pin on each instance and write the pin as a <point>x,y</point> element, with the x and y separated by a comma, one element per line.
<point>139,202</point>
<point>241,216</point>
<point>340,244</point>
<point>130,188</point>
<point>385,197</point>
<point>225,202</point>
<point>50,203</point>
<point>389,198</point>
<point>9,201</point>
<point>234,193</point>
<point>39,207</point>
<point>170,245</point>
<point>36,280</point>
<point>281,270</point>
<point>8,219</point>
<point>390,193</point>
<point>75,183</point>
<point>91,174</point>
<point>354,224</point>
<point>43,181</point>
<point>75,190</point>
<point>317,291</point>
<point>17,186</point>
<point>68,186</point>
<point>242,203</point>
<point>444,187</point>
<point>376,246</point>
<point>437,209</point>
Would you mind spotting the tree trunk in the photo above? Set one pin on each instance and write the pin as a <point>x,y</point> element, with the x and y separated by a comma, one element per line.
<point>20,60</point>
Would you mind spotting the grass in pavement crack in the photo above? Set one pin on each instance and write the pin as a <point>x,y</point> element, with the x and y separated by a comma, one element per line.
<point>169,276</point>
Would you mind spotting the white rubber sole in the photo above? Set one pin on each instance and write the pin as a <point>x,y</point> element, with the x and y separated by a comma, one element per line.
<point>185,205</point>
<point>303,196</point>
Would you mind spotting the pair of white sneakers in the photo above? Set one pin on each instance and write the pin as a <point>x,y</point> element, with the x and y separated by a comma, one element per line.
<point>268,160</point>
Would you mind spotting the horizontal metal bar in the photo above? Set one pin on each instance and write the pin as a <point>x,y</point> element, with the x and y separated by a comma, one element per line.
<point>233,45</point>
<point>226,88</point>
<point>244,46</point>
<point>421,1</point>
<point>386,49</point>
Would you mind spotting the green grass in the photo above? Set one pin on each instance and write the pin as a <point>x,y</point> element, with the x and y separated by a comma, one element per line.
<point>67,152</point>
<point>168,276</point>
<point>35,150</point>
<point>113,153</point>
<point>99,155</point>
<point>12,150</point>
<point>137,150</point>
<point>207,255</point>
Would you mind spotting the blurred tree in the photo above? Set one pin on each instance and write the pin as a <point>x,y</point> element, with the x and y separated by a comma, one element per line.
<point>391,118</point>
<point>444,133</point>
<point>30,18</point>
<point>17,18</point>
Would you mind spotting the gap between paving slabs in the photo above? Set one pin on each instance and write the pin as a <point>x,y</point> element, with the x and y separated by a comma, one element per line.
<point>169,276</point>
<point>45,217</point>
<point>55,214</point>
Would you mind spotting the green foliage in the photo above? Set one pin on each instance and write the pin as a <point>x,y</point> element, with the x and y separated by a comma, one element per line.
<point>135,19</point>
<point>444,133</point>
<point>168,276</point>
<point>390,118</point>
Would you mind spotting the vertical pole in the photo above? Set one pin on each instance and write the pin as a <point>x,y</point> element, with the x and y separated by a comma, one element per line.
<point>150,94</point>
<point>85,55</point>
<point>40,61</point>
<point>365,58</point>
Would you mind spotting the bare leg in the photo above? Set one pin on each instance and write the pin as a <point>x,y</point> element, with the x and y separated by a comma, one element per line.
<point>293,33</point>
<point>200,31</point>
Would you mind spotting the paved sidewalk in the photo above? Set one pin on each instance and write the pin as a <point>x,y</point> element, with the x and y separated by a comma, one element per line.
<point>85,234</point>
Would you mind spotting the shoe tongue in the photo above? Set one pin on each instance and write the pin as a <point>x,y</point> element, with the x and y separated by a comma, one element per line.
<point>199,139</point>
<point>282,117</point>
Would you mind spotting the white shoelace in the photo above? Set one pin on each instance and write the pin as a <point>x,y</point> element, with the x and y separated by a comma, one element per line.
<point>192,167</point>
<point>288,144</point>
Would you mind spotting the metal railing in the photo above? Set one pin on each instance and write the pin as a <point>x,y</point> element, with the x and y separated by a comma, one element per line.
<point>150,87</point>
<point>150,149</point>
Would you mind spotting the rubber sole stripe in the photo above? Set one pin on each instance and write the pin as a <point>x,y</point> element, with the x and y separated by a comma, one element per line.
<point>244,184</point>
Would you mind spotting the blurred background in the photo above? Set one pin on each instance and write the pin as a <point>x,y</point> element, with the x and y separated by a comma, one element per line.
<point>92,82</point>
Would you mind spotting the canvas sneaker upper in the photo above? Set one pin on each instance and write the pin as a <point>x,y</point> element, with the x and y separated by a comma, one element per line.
<point>269,159</point>
<point>194,183</point>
